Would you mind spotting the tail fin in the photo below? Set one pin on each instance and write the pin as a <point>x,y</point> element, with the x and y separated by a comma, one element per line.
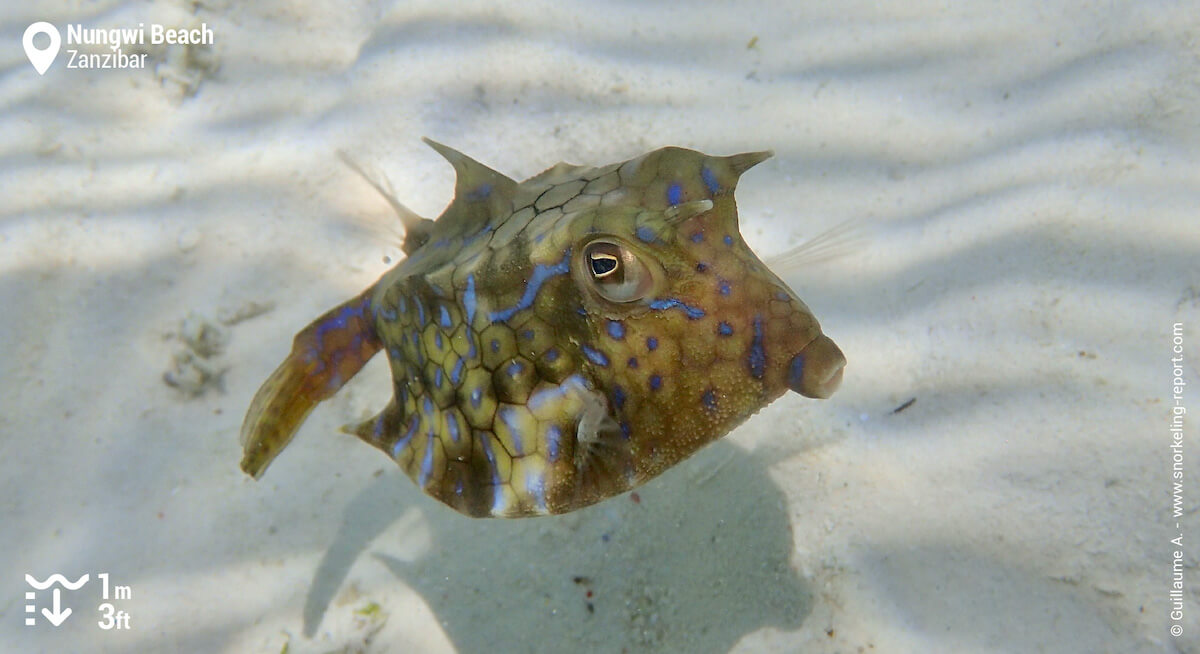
<point>324,356</point>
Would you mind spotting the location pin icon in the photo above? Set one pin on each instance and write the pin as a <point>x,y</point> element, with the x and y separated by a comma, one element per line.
<point>41,59</point>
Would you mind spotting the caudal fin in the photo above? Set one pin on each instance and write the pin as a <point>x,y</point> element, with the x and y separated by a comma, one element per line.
<point>324,356</point>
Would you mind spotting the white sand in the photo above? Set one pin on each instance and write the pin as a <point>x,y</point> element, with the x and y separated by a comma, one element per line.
<point>1029,183</point>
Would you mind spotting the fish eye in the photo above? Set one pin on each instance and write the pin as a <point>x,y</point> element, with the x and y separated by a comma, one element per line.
<point>616,272</point>
<point>603,264</point>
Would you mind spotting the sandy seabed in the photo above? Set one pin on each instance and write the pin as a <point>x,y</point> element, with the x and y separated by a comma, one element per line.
<point>1025,182</point>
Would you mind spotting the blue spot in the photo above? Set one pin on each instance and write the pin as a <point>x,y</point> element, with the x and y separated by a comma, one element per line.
<point>338,320</point>
<point>399,446</point>
<point>663,304</point>
<point>723,287</point>
<point>652,343</point>
<point>402,304</point>
<point>632,362</point>
<point>780,295</point>
<point>616,329</point>
<point>452,426</point>
<point>655,382</point>
<point>466,242</point>
<point>395,353</point>
<point>626,429</point>
<point>335,382</point>
<point>427,463</point>
<point>539,276</point>
<point>581,311</point>
<point>619,397</point>
<point>476,397</point>
<point>456,371</point>
<point>427,406</point>
<point>445,316</point>
<point>710,180</point>
<point>724,329</point>
<point>551,355</point>
<point>389,315</point>
<point>701,266</point>
<point>728,239</point>
<point>486,442</point>
<point>709,398</point>
<point>480,192</point>
<point>553,438</point>
<point>698,237</point>
<point>508,415</point>
<point>469,300</point>
<point>541,397</point>
<point>537,488</point>
<point>515,368</point>
<point>495,345</point>
<point>796,371</point>
<point>645,234</point>
<point>674,194</point>
<point>417,256</point>
<point>471,351</point>
<point>437,340</point>
<point>458,487</point>
<point>595,356</point>
<point>437,378</point>
<point>420,312</point>
<point>527,334</point>
<point>757,358</point>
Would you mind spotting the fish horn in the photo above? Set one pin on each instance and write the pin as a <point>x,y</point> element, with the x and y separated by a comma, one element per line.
<point>472,175</point>
<point>740,163</point>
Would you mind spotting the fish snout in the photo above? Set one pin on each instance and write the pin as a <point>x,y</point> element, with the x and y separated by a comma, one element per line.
<point>817,370</point>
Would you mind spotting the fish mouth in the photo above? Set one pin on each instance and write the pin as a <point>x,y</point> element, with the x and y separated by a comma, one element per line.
<point>816,371</point>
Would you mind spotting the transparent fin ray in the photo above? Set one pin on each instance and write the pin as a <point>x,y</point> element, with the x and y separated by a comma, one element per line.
<point>844,238</point>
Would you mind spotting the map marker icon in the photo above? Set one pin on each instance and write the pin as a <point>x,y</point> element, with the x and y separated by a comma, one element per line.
<point>41,59</point>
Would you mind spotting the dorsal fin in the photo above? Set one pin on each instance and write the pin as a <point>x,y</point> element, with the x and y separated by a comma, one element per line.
<point>416,228</point>
<point>481,194</point>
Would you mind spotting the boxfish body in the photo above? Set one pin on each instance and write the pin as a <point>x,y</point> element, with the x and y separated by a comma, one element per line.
<point>561,340</point>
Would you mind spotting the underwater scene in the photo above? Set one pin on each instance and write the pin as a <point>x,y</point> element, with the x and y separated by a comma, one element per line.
<point>599,327</point>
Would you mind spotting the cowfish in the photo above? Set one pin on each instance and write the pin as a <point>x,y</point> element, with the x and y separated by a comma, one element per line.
<point>561,340</point>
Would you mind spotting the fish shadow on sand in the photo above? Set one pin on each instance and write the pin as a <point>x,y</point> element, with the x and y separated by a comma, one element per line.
<point>693,561</point>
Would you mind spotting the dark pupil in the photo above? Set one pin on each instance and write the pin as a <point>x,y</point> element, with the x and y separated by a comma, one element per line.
<point>602,265</point>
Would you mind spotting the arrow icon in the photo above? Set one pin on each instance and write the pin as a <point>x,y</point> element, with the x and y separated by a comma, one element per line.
<point>57,616</point>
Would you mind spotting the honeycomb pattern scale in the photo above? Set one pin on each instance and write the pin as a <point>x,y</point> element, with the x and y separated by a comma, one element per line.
<point>558,341</point>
